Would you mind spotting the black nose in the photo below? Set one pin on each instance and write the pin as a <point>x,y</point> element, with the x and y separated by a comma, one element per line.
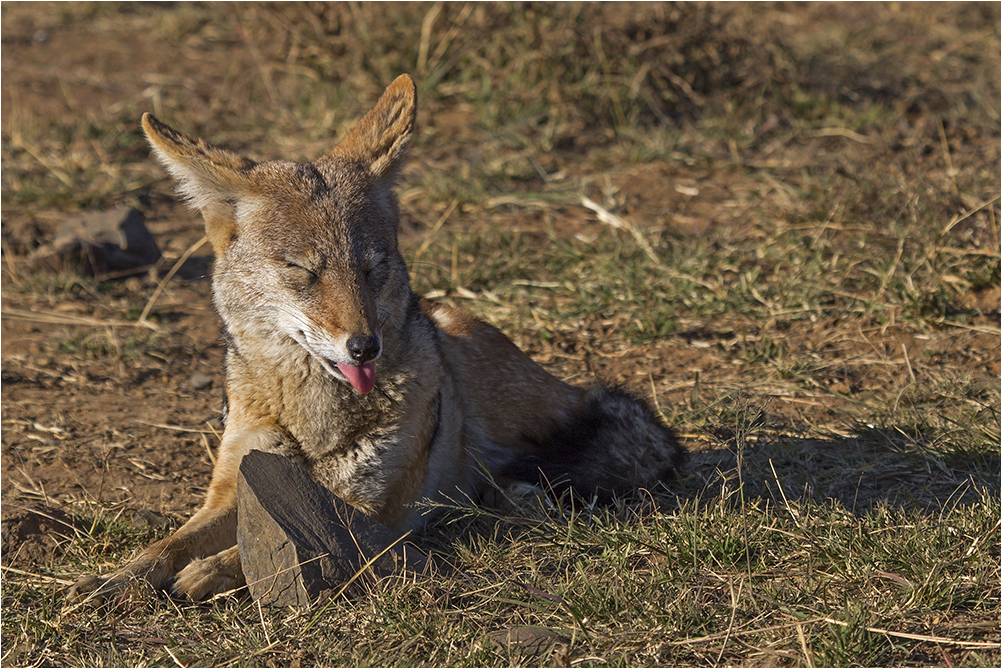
<point>363,349</point>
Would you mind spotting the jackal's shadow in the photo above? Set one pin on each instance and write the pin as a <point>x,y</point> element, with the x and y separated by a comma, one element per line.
<point>874,466</point>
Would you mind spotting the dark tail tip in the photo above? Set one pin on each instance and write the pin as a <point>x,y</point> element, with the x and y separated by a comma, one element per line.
<point>613,445</point>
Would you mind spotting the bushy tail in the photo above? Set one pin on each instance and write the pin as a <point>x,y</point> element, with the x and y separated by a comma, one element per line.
<point>613,445</point>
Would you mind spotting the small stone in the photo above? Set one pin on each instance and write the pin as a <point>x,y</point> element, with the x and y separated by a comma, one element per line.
<point>199,381</point>
<point>102,241</point>
<point>144,519</point>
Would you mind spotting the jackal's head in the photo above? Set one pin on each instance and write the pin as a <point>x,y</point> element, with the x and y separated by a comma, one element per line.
<point>306,251</point>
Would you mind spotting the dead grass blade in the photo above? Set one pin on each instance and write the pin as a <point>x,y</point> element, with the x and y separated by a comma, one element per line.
<point>54,318</point>
<point>38,577</point>
<point>923,637</point>
<point>961,217</point>
<point>746,632</point>
<point>607,217</point>
<point>163,282</point>
<point>178,428</point>
<point>431,233</point>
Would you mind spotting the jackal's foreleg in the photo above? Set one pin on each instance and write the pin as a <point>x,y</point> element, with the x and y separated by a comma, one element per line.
<point>198,554</point>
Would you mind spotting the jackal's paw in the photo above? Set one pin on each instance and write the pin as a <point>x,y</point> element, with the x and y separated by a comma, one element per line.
<point>101,589</point>
<point>88,587</point>
<point>209,576</point>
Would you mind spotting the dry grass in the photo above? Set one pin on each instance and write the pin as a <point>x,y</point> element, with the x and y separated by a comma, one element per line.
<point>780,223</point>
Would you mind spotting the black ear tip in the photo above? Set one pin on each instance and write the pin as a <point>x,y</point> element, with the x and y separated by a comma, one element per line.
<point>151,124</point>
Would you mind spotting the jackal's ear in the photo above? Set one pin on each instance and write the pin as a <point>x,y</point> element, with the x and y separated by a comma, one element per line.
<point>381,137</point>
<point>211,179</point>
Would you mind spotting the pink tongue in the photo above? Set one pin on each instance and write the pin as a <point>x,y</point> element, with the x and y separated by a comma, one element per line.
<point>362,378</point>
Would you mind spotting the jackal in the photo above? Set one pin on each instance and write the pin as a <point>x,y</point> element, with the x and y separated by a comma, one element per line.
<point>386,398</point>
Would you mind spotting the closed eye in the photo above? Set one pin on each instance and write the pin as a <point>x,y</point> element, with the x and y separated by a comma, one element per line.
<point>301,270</point>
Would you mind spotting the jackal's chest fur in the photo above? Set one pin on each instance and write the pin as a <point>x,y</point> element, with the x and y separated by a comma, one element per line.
<point>370,449</point>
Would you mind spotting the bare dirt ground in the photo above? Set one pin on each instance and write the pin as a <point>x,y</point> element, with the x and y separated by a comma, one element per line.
<point>99,409</point>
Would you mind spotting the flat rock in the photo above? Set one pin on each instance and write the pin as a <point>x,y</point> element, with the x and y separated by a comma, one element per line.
<point>299,542</point>
<point>528,641</point>
<point>102,241</point>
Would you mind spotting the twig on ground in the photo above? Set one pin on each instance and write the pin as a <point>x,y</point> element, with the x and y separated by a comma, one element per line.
<point>163,282</point>
<point>607,217</point>
<point>39,577</point>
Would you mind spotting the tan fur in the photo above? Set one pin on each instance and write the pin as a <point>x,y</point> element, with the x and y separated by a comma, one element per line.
<point>306,264</point>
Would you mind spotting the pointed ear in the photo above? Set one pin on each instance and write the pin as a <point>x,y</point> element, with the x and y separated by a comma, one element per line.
<point>210,179</point>
<point>381,137</point>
